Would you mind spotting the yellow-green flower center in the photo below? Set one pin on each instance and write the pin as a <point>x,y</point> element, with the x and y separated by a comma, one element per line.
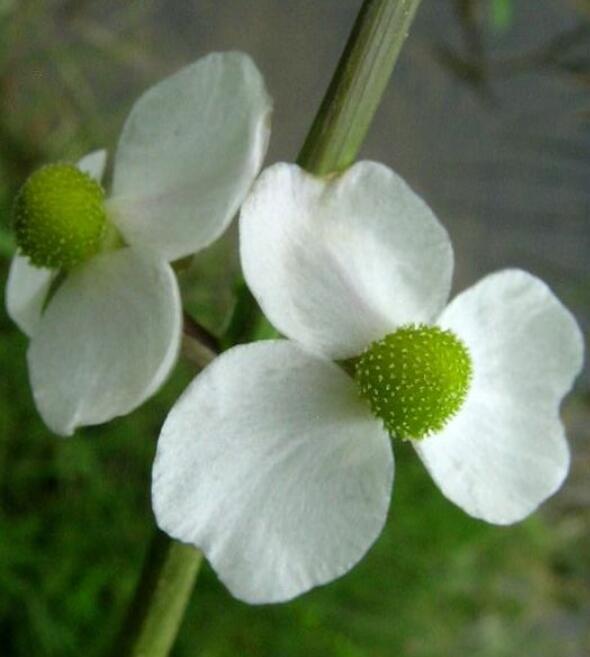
<point>59,217</point>
<point>415,379</point>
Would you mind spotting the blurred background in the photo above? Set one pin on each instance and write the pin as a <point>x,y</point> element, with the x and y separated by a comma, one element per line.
<point>488,117</point>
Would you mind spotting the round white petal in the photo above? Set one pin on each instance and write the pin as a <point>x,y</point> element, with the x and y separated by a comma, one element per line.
<point>26,290</point>
<point>272,465</point>
<point>94,164</point>
<point>188,154</point>
<point>505,451</point>
<point>340,261</point>
<point>107,340</point>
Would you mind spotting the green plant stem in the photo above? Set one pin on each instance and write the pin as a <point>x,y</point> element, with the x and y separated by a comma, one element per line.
<point>170,568</point>
<point>357,87</point>
<point>166,583</point>
<point>346,112</point>
<point>332,144</point>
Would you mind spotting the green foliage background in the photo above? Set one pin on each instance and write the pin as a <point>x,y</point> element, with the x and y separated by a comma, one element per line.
<point>75,517</point>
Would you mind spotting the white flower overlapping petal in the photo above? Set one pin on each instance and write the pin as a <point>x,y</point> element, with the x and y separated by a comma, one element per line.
<point>328,265</point>
<point>270,461</point>
<point>110,334</point>
<point>273,466</point>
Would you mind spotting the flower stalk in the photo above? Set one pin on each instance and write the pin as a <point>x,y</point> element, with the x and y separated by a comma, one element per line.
<point>157,609</point>
<point>333,142</point>
<point>357,87</point>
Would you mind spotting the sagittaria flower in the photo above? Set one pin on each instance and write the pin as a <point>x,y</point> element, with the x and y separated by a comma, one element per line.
<point>277,459</point>
<point>92,285</point>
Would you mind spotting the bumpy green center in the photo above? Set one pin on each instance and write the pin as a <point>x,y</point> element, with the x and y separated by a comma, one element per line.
<point>59,217</point>
<point>415,379</point>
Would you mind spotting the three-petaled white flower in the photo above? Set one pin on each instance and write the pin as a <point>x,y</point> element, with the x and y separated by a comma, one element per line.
<point>110,334</point>
<point>277,464</point>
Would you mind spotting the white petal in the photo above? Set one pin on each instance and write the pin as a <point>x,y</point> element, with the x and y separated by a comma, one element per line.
<point>26,291</point>
<point>107,340</point>
<point>506,452</point>
<point>94,164</point>
<point>272,465</point>
<point>340,261</point>
<point>188,154</point>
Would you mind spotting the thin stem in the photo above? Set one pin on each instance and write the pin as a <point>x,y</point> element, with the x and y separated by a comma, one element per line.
<point>350,103</point>
<point>157,609</point>
<point>196,352</point>
<point>170,569</point>
<point>358,85</point>
<point>332,144</point>
<point>199,346</point>
<point>195,330</point>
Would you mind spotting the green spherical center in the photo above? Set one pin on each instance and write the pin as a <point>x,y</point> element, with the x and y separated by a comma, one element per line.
<point>415,379</point>
<point>59,217</point>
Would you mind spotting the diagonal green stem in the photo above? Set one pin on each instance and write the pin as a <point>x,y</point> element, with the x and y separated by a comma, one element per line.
<point>357,87</point>
<point>345,115</point>
<point>170,568</point>
<point>332,144</point>
<point>157,609</point>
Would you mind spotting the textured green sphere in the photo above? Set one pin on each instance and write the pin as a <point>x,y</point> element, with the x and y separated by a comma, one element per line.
<point>59,217</point>
<point>415,379</point>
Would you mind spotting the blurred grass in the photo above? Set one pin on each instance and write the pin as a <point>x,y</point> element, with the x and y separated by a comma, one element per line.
<point>75,515</point>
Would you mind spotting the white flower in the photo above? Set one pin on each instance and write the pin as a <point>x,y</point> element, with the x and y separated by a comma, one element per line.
<point>274,464</point>
<point>109,336</point>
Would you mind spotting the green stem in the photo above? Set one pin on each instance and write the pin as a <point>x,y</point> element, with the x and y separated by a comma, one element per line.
<point>357,87</point>
<point>350,103</point>
<point>157,609</point>
<point>332,144</point>
<point>170,569</point>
